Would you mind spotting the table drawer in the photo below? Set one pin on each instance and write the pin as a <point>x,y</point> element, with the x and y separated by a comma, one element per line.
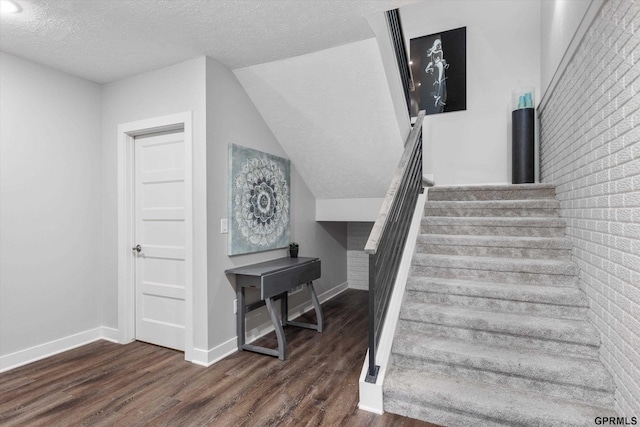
<point>276,283</point>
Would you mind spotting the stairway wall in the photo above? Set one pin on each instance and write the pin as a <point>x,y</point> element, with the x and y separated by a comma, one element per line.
<point>357,259</point>
<point>590,147</point>
<point>503,53</point>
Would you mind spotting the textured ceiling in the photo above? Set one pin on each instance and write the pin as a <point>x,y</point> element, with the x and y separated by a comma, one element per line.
<point>106,40</point>
<point>332,113</point>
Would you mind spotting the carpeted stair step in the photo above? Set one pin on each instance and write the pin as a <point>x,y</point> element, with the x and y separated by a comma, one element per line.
<point>493,192</point>
<point>565,377</point>
<point>451,401</point>
<point>493,208</point>
<point>550,301</point>
<point>495,246</point>
<point>491,226</point>
<point>503,270</point>
<point>551,335</point>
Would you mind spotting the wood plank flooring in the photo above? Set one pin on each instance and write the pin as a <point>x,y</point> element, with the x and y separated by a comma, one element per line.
<point>138,384</point>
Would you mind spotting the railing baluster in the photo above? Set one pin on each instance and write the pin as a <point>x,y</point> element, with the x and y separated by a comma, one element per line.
<point>389,235</point>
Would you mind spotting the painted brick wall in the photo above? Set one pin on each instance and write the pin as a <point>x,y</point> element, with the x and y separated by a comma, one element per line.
<point>589,135</point>
<point>357,260</point>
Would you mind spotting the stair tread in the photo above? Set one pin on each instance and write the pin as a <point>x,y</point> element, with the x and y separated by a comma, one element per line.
<point>496,241</point>
<point>541,366</point>
<point>510,221</point>
<point>524,265</point>
<point>540,327</point>
<point>494,204</point>
<point>493,187</point>
<point>557,295</point>
<point>487,401</point>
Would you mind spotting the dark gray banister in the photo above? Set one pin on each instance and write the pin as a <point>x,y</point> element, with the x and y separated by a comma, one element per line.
<point>389,234</point>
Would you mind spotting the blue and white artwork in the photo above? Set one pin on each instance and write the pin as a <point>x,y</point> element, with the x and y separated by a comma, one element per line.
<point>259,200</point>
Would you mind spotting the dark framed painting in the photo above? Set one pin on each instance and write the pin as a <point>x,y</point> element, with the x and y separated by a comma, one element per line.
<point>438,65</point>
<point>259,199</point>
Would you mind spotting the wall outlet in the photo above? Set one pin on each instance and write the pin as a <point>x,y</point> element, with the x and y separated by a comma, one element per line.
<point>224,228</point>
<point>235,306</point>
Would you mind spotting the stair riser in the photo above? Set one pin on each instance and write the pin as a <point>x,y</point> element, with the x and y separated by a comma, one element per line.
<point>453,195</point>
<point>526,382</point>
<point>494,251</point>
<point>501,305</point>
<point>478,230</point>
<point>501,339</point>
<point>496,276</point>
<point>400,405</point>
<point>491,212</point>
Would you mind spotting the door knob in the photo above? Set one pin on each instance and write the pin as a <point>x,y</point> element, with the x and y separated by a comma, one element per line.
<point>137,248</point>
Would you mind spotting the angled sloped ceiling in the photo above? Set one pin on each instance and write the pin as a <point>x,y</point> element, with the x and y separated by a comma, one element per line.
<point>332,113</point>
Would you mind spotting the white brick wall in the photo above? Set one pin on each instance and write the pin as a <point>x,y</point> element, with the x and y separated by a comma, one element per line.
<point>590,147</point>
<point>357,260</point>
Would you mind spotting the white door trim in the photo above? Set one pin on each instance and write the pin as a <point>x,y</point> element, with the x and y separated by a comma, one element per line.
<point>126,268</point>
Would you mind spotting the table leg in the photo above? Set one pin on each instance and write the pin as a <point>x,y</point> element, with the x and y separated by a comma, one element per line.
<point>316,306</point>
<point>240,316</point>
<point>282,344</point>
<point>284,308</point>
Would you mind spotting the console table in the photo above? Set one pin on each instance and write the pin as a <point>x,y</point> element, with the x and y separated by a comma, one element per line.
<point>274,279</point>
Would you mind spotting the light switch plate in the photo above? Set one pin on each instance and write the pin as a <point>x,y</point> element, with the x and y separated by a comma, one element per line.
<point>224,229</point>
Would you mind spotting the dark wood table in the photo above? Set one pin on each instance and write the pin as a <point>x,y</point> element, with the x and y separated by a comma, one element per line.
<point>274,279</point>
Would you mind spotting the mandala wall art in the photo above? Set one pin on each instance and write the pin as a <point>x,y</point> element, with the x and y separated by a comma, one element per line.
<point>259,197</point>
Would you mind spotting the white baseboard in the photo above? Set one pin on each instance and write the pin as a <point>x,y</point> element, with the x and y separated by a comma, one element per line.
<point>110,334</point>
<point>41,351</point>
<point>213,355</point>
<point>294,312</point>
<point>200,356</point>
<point>359,287</point>
<point>209,357</point>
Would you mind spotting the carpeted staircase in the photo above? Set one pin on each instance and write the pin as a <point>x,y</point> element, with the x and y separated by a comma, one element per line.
<point>493,327</point>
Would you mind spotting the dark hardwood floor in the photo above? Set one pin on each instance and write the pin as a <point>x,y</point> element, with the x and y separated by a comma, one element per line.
<point>138,384</point>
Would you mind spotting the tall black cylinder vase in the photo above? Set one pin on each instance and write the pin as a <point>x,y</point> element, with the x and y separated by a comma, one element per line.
<point>522,157</point>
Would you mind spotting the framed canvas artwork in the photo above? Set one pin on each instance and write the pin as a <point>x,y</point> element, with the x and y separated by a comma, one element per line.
<point>438,64</point>
<point>259,201</point>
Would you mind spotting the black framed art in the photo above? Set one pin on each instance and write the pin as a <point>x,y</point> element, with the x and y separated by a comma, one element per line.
<point>438,65</point>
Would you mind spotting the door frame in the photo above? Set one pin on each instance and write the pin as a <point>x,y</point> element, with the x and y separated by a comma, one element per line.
<point>126,220</point>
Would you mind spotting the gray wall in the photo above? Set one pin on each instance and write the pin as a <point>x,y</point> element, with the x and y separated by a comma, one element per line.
<point>590,147</point>
<point>50,211</point>
<point>233,118</point>
<point>175,89</point>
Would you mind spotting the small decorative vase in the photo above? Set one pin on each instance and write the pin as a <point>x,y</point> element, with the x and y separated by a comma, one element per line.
<point>293,253</point>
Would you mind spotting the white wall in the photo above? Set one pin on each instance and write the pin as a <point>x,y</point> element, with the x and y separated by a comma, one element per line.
<point>380,27</point>
<point>50,207</point>
<point>503,53</point>
<point>357,259</point>
<point>590,145</point>
<point>232,118</point>
<point>333,114</point>
<point>170,90</point>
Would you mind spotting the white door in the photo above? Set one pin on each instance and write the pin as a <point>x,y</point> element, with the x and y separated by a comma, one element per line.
<point>160,234</point>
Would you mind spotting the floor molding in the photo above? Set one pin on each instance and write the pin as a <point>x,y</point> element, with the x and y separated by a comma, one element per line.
<point>200,356</point>
<point>215,354</point>
<point>42,351</point>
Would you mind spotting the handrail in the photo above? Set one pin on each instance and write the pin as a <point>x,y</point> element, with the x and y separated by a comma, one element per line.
<point>400,48</point>
<point>381,221</point>
<point>389,234</point>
